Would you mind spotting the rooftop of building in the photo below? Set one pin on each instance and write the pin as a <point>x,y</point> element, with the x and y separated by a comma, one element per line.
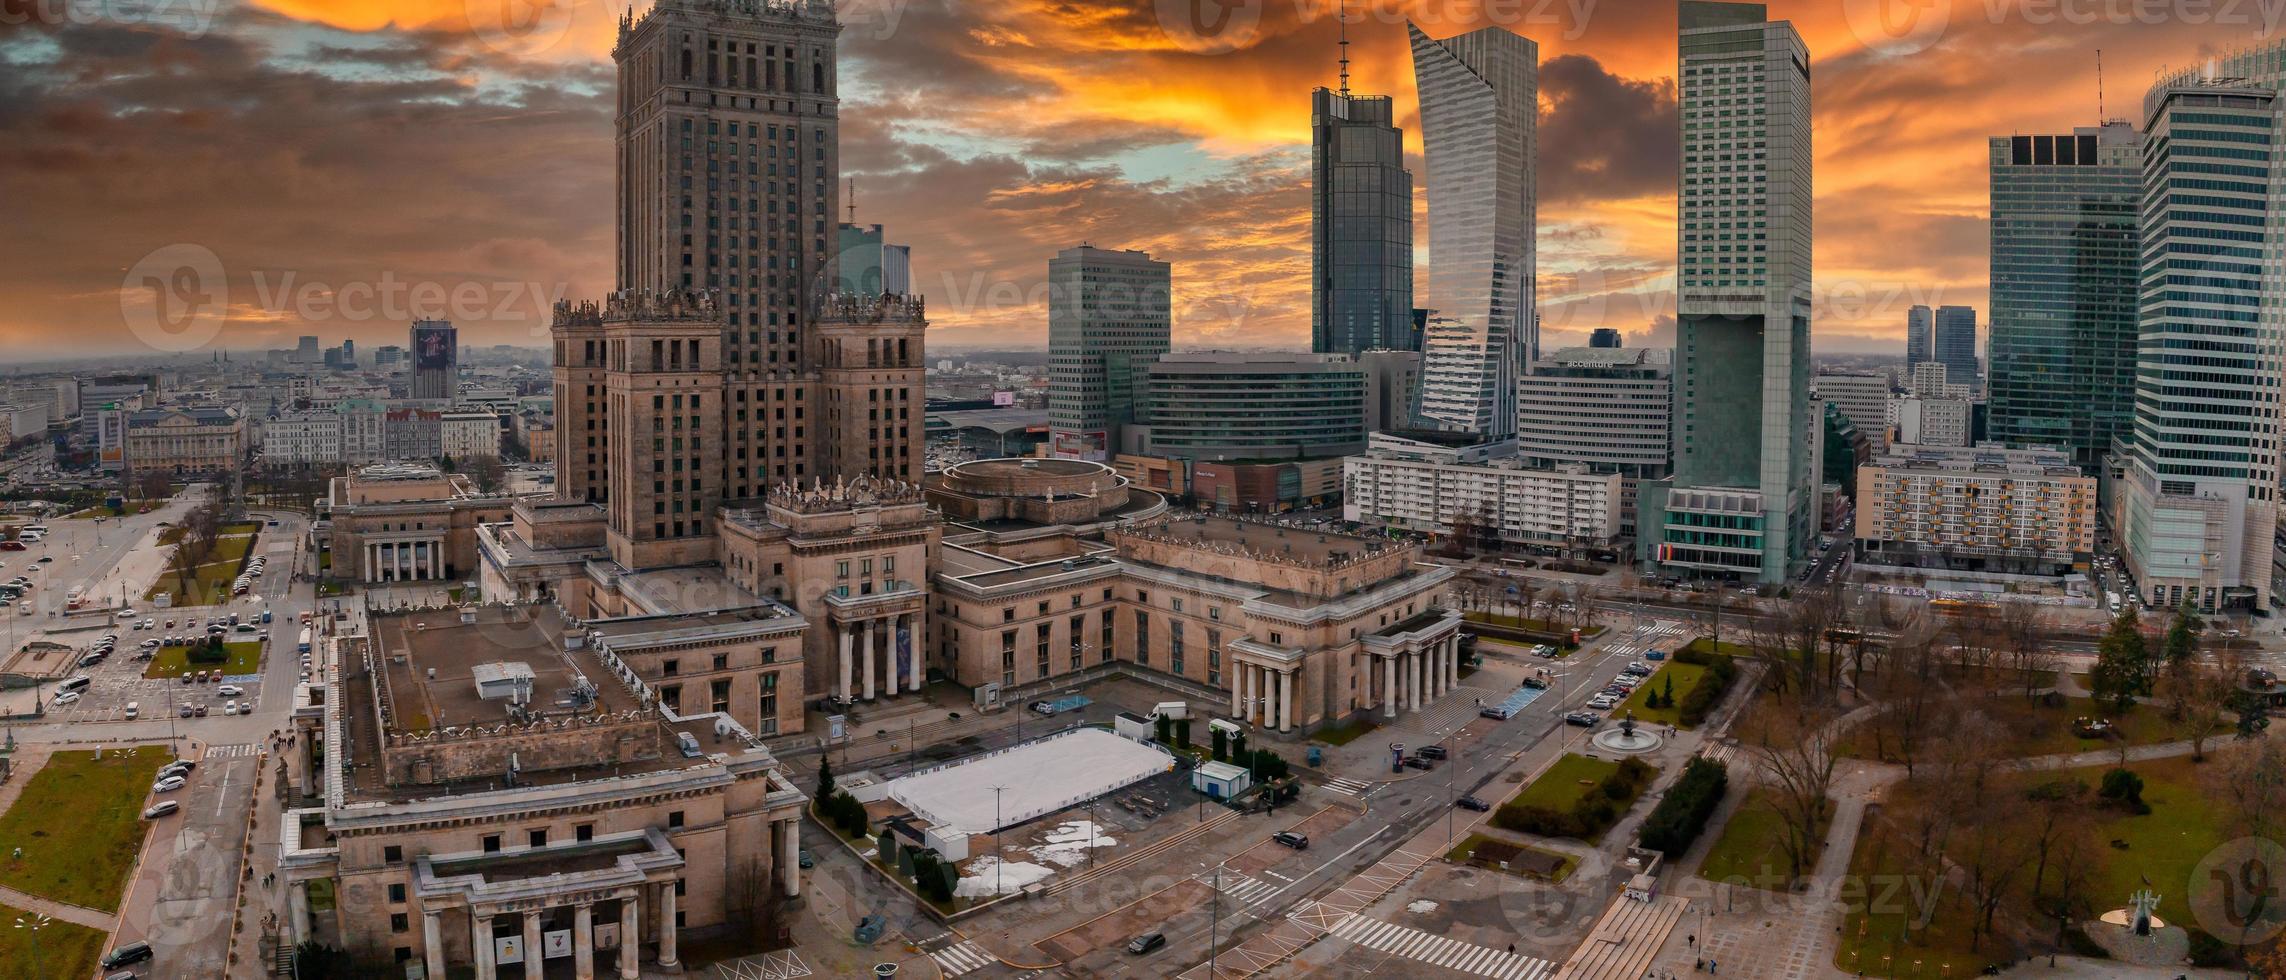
<point>685,590</point>
<point>1986,458</point>
<point>1292,543</point>
<point>1605,357</point>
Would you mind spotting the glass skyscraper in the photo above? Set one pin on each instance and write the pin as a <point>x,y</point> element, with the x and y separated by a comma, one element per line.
<point>1479,114</point>
<point>1743,502</point>
<point>1953,342</point>
<point>2197,511</point>
<point>1361,225</point>
<point>2064,265</point>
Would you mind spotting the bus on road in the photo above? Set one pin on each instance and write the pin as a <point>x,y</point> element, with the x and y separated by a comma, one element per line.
<point>304,645</point>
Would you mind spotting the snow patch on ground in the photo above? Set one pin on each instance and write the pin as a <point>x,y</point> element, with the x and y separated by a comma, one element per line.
<point>1421,907</point>
<point>1069,843</point>
<point>988,876</point>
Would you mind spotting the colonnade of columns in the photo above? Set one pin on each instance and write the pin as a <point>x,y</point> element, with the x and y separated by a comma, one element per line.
<point>1410,677</point>
<point>1263,695</point>
<point>404,561</point>
<point>583,938</point>
<point>862,652</point>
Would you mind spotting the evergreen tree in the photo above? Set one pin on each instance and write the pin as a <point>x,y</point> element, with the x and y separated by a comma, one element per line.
<point>825,778</point>
<point>2123,663</point>
<point>2182,641</point>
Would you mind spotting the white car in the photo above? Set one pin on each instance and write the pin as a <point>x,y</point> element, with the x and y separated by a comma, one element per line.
<point>168,785</point>
<point>230,690</point>
<point>229,707</point>
<point>65,698</point>
<point>150,644</point>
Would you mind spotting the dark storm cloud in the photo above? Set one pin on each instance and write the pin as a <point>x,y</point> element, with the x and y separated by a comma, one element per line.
<point>1603,136</point>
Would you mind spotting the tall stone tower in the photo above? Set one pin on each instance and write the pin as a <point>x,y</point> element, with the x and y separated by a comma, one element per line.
<point>870,381</point>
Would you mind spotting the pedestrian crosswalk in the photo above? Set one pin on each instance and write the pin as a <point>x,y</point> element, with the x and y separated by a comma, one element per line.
<point>1244,890</point>
<point>1349,787</point>
<point>232,751</point>
<point>962,958</point>
<point>1719,752</point>
<point>1452,954</point>
<point>1660,635</point>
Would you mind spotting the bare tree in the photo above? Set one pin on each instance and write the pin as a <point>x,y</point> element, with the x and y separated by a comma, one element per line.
<point>487,472</point>
<point>1992,855</point>
<point>1975,631</point>
<point>2061,824</point>
<point>2023,630</point>
<point>2252,785</point>
<point>1797,758</point>
<point>2197,694</point>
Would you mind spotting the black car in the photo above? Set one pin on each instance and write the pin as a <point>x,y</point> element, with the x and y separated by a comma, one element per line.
<point>1584,719</point>
<point>1430,751</point>
<point>1472,803</point>
<point>135,952</point>
<point>1416,762</point>
<point>1291,839</point>
<point>1146,943</point>
<point>1535,683</point>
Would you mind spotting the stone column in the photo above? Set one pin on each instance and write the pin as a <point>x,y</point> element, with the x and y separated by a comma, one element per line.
<point>480,936</point>
<point>920,670</point>
<point>1389,687</point>
<point>1285,700</point>
<point>889,658</point>
<point>432,943</point>
<point>298,910</point>
<point>371,570</point>
<point>532,948</point>
<point>1452,661</point>
<point>868,660</point>
<point>630,937</point>
<point>790,856</point>
<point>846,664</point>
<point>1413,667</point>
<point>1237,689</point>
<point>583,942</point>
<point>667,958</point>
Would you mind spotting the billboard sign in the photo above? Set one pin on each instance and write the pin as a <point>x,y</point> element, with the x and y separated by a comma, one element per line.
<point>433,347</point>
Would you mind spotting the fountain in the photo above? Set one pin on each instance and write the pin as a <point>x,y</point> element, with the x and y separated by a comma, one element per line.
<point>1626,739</point>
<point>2134,935</point>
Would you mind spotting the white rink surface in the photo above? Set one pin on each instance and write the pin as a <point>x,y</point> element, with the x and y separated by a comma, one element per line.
<point>1035,779</point>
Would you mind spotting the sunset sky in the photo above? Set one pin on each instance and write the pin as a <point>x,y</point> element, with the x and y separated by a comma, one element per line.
<point>352,163</point>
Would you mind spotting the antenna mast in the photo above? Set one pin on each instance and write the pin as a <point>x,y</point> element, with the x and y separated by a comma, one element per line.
<point>1342,16</point>
<point>2099,86</point>
<point>853,200</point>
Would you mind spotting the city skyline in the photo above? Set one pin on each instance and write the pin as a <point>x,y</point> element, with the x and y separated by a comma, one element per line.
<point>1221,133</point>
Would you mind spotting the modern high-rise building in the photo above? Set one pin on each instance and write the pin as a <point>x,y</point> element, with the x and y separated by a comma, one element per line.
<point>1392,388</point>
<point>1864,398</point>
<point>703,379</point>
<point>1606,337</point>
<point>1479,95</point>
<point>1109,318</point>
<point>1610,409</point>
<point>2061,369</point>
<point>306,350</point>
<point>1268,406</point>
<point>869,265</point>
<point>1954,344</point>
<point>1920,334</point>
<point>2197,511</point>
<point>1743,499</point>
<point>436,359</point>
<point>1361,225</point>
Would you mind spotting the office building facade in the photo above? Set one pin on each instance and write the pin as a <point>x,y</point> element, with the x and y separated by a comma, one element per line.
<point>868,265</point>
<point>1987,509</point>
<point>1361,225</point>
<point>1254,406</point>
<point>2064,262</point>
<point>1438,490</point>
<point>1743,496</point>
<point>2197,513</point>
<point>1920,335</point>
<point>1610,410</point>
<point>1109,318</point>
<point>1479,97</point>
<point>1863,397</point>
<point>436,359</point>
<point>1953,344</point>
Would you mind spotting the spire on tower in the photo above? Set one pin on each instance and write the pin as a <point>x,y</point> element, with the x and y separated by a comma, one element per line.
<point>1343,18</point>
<point>853,200</point>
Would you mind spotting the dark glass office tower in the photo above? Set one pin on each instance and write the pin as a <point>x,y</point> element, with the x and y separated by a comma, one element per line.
<point>2064,268</point>
<point>1361,215</point>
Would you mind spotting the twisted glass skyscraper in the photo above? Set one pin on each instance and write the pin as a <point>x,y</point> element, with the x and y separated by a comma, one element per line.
<point>1479,110</point>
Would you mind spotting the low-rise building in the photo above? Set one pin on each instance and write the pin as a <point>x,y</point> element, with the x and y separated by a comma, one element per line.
<point>1426,488</point>
<point>463,436</point>
<point>404,522</point>
<point>185,441</point>
<point>1987,509</point>
<point>488,787</point>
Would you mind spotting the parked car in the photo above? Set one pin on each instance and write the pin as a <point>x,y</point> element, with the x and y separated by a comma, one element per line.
<point>1472,803</point>
<point>1291,839</point>
<point>1584,719</point>
<point>1146,943</point>
<point>1535,683</point>
<point>135,952</point>
<point>230,690</point>
<point>1430,751</point>
<point>1416,762</point>
<point>65,698</point>
<point>161,810</point>
<point>168,785</point>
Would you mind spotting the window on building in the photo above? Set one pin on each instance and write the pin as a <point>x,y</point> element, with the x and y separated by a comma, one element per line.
<point>492,843</point>
<point>583,832</point>
<point>540,837</point>
<point>393,854</point>
<point>400,922</point>
<point>397,893</point>
<point>674,819</point>
<point>719,696</point>
<point>1142,637</point>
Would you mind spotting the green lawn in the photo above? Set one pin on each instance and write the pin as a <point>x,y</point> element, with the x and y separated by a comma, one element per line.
<point>1562,786</point>
<point>1883,933</point>
<point>210,585</point>
<point>245,658</point>
<point>79,823</point>
<point>29,951</point>
<point>2165,844</point>
<point>1705,645</point>
<point>1750,849</point>
<point>1685,678</point>
<point>1530,862</point>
